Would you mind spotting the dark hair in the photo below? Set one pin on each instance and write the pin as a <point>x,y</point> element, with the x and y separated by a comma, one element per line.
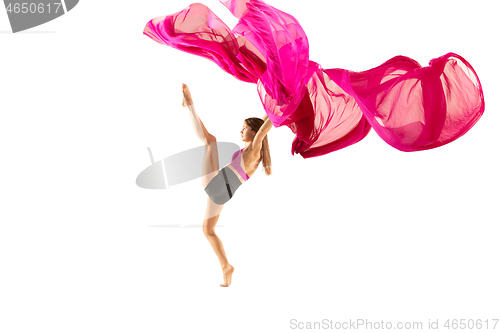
<point>265,156</point>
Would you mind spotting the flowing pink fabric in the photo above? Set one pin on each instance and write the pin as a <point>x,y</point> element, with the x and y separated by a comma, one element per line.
<point>409,106</point>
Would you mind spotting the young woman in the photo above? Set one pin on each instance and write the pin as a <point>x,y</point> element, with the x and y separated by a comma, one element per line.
<point>220,185</point>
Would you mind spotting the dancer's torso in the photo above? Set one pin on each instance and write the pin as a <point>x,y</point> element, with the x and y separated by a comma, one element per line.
<point>244,163</point>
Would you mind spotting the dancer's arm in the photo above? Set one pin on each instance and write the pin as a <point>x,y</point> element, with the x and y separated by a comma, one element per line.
<point>265,117</point>
<point>266,127</point>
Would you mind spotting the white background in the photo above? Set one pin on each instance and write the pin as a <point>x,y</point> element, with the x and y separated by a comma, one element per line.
<point>367,232</point>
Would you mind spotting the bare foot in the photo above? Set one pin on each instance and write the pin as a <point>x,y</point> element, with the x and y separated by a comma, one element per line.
<point>227,273</point>
<point>187,96</point>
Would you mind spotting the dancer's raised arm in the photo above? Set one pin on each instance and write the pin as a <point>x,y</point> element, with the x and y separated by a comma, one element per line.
<point>266,127</point>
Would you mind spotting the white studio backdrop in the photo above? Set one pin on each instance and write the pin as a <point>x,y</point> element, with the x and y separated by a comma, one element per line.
<point>367,232</point>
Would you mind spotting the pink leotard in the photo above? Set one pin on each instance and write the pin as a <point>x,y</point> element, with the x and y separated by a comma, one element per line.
<point>236,164</point>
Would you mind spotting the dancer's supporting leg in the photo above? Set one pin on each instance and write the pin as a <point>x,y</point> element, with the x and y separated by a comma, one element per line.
<point>212,213</point>
<point>209,231</point>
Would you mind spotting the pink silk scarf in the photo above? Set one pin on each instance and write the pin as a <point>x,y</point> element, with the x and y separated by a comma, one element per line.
<point>410,107</point>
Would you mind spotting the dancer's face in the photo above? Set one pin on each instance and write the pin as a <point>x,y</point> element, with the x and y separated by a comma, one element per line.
<point>247,133</point>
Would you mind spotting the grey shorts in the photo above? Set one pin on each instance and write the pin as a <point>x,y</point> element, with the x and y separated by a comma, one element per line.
<point>222,187</point>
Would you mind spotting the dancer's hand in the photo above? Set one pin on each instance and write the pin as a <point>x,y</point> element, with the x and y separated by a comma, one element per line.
<point>187,96</point>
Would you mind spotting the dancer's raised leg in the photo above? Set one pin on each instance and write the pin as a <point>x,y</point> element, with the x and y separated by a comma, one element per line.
<point>198,126</point>
<point>210,161</point>
<point>215,242</point>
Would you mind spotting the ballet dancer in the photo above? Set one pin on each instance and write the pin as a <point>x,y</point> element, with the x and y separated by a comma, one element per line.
<point>410,107</point>
<point>220,185</point>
